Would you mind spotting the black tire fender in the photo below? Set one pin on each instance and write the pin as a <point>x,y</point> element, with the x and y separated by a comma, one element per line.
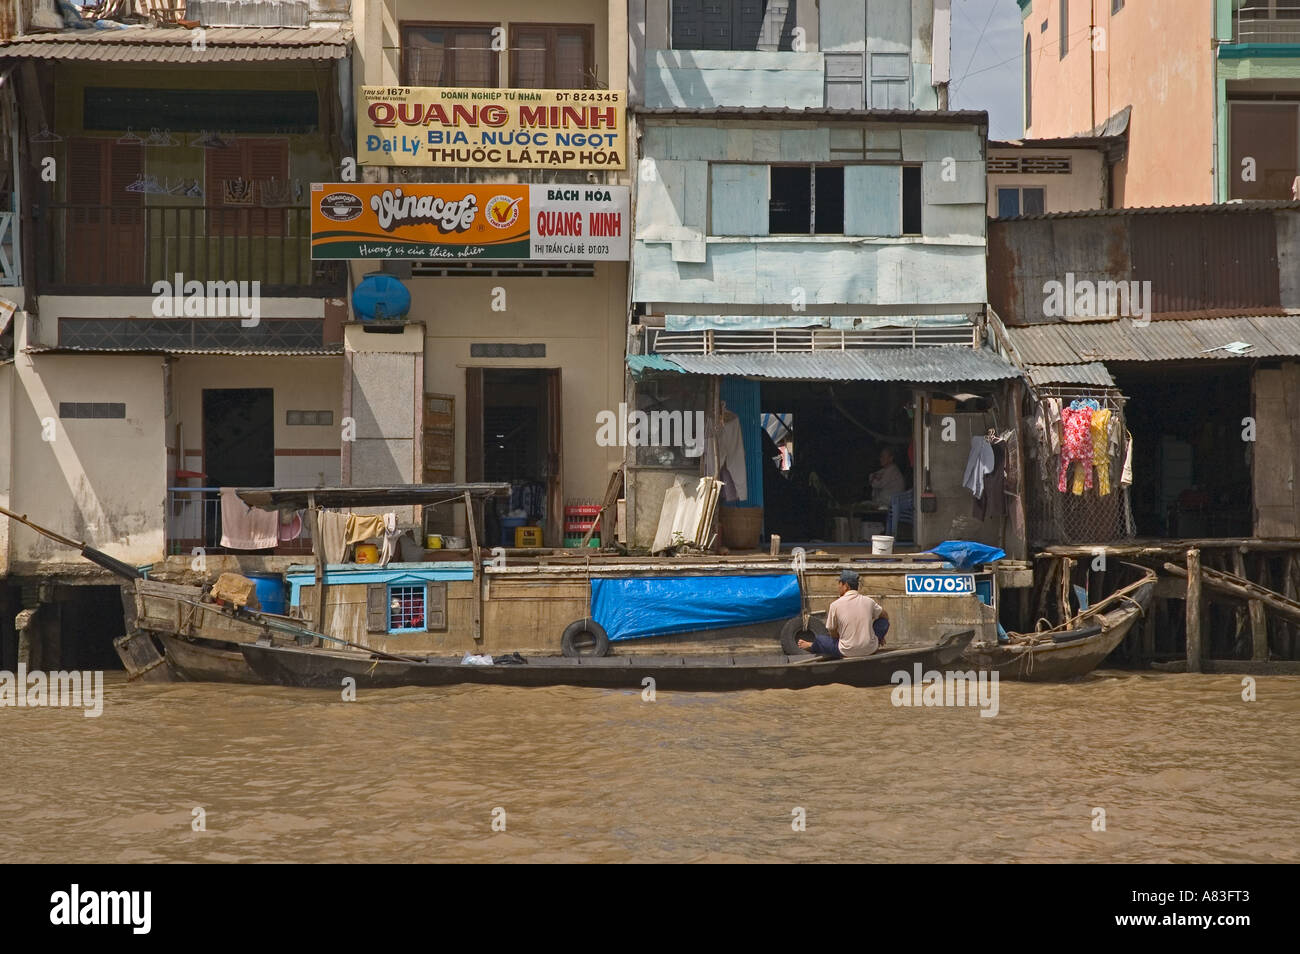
<point>584,637</point>
<point>794,630</point>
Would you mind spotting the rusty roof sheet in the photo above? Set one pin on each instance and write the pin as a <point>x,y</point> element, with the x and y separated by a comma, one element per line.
<point>1170,340</point>
<point>1094,373</point>
<point>174,45</point>
<point>1216,208</point>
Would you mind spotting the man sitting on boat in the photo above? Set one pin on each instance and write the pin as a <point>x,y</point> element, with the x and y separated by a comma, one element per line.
<point>855,624</point>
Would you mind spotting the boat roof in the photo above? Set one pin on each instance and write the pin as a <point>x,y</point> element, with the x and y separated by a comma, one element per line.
<point>399,495</point>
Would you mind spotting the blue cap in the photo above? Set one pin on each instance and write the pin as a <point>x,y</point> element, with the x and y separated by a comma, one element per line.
<point>849,578</point>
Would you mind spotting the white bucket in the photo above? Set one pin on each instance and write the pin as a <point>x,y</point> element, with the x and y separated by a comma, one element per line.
<point>881,544</point>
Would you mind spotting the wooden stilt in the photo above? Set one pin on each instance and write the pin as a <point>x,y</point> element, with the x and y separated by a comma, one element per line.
<point>1067,573</point>
<point>1193,610</point>
<point>1291,590</point>
<point>471,521</point>
<point>1045,593</point>
<point>1258,624</point>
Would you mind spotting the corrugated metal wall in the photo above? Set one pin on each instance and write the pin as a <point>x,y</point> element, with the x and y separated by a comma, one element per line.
<point>1198,263</point>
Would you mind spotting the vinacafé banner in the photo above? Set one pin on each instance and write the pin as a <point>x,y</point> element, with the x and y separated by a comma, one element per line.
<point>491,128</point>
<point>416,220</point>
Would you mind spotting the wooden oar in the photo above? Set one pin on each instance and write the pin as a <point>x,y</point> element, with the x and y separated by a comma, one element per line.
<point>98,557</point>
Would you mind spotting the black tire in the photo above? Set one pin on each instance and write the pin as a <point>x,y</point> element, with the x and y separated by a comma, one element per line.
<point>794,630</point>
<point>584,637</point>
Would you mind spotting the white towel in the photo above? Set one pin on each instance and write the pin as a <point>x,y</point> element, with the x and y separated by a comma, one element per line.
<point>391,533</point>
<point>247,528</point>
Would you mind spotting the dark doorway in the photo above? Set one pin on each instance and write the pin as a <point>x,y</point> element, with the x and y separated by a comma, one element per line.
<point>239,437</point>
<point>514,421</point>
<point>1191,467</point>
<point>839,430</point>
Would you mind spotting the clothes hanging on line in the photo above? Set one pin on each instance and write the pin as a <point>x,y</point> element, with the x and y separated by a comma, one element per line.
<point>1100,428</point>
<point>247,528</point>
<point>391,535</point>
<point>979,463</point>
<point>333,529</point>
<point>364,527</point>
<point>290,525</point>
<point>1076,445</point>
<point>1126,475</point>
<point>731,454</point>
<point>992,502</point>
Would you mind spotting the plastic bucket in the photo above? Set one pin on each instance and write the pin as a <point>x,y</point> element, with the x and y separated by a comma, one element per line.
<point>367,553</point>
<point>433,541</point>
<point>881,544</point>
<point>270,592</point>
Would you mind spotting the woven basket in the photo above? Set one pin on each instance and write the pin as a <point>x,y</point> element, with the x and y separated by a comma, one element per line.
<point>740,526</point>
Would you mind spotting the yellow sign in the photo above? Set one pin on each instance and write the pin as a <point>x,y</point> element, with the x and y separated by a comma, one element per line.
<point>491,128</point>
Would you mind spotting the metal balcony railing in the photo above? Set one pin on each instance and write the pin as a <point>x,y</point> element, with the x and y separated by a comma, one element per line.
<point>125,249</point>
<point>194,521</point>
<point>1265,22</point>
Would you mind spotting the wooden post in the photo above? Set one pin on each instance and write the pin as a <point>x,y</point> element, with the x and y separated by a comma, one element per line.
<point>318,550</point>
<point>1290,573</point>
<point>1258,622</point>
<point>1067,572</point>
<point>1193,610</point>
<point>472,522</point>
<point>1045,594</point>
<point>1147,650</point>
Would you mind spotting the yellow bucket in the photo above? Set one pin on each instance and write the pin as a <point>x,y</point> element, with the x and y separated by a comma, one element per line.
<point>433,541</point>
<point>367,553</point>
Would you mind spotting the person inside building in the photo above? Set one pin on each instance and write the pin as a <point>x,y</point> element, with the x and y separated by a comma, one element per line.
<point>887,481</point>
<point>855,624</point>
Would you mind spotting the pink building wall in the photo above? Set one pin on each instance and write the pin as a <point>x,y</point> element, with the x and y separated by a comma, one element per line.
<point>1156,56</point>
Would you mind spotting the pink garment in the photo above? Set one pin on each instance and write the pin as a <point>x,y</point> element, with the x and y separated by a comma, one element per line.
<point>292,530</point>
<point>247,528</point>
<point>1076,444</point>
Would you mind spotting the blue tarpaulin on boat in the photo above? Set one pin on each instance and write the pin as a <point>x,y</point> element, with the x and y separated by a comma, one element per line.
<point>660,606</point>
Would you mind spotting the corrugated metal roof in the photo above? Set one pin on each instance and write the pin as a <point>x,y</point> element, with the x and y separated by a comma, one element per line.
<point>1094,373</point>
<point>1170,340</point>
<point>1254,205</point>
<point>325,352</point>
<point>964,116</point>
<point>174,45</point>
<point>923,365</point>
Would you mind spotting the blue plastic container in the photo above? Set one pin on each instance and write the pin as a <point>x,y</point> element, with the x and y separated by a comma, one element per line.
<point>381,297</point>
<point>270,592</point>
<point>508,525</point>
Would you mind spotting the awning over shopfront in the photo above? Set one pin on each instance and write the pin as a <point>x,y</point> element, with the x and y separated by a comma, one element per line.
<point>1124,339</point>
<point>941,365</point>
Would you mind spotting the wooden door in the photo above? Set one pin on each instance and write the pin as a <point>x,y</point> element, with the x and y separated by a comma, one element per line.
<point>104,228</point>
<point>1277,443</point>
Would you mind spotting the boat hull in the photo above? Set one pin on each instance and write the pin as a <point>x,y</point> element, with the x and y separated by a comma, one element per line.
<point>1069,658</point>
<point>327,669</point>
<point>202,660</point>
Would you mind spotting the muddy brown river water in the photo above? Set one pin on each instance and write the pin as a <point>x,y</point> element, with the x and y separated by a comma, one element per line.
<point>1183,769</point>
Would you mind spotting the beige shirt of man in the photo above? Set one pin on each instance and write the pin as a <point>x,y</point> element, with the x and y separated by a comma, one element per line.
<point>849,619</point>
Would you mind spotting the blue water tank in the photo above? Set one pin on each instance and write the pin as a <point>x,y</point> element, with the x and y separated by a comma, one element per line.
<point>270,591</point>
<point>381,296</point>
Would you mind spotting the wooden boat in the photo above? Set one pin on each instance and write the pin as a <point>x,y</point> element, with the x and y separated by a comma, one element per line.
<point>205,660</point>
<point>1076,647</point>
<point>326,669</point>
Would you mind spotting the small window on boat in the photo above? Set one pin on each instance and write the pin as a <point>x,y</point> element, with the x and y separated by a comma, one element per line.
<point>405,608</point>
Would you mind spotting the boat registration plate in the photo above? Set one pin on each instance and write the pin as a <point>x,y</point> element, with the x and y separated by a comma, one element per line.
<point>940,584</point>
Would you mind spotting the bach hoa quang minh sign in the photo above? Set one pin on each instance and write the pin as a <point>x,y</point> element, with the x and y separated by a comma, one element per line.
<point>491,128</point>
<point>422,220</point>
